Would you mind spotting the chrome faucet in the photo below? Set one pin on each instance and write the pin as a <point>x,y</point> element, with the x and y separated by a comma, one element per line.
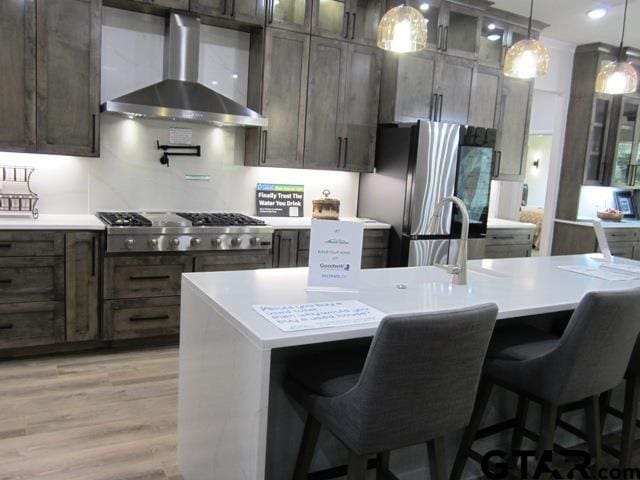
<point>459,270</point>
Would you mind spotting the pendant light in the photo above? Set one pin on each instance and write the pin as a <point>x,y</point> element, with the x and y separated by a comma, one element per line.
<point>528,58</point>
<point>619,77</point>
<point>402,29</point>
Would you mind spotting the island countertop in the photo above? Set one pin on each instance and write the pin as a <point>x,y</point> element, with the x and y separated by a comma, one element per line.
<point>520,287</point>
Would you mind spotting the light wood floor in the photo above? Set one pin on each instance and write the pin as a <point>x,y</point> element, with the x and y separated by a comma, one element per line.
<point>101,416</point>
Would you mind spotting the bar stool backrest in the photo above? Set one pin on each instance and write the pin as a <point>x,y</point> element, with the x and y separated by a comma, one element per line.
<point>420,378</point>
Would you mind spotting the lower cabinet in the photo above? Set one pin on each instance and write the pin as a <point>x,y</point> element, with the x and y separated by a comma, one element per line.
<point>31,324</point>
<point>508,243</point>
<point>573,239</point>
<point>82,279</point>
<point>225,261</point>
<point>141,317</point>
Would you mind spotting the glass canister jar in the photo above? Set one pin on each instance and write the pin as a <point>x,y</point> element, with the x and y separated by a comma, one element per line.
<point>326,208</point>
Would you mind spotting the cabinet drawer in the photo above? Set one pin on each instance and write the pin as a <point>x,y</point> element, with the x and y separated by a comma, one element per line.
<point>147,317</point>
<point>31,279</point>
<point>303,258</point>
<point>622,249</point>
<point>137,277</point>
<point>509,237</point>
<point>621,235</point>
<point>371,239</point>
<point>27,324</point>
<point>224,261</point>
<point>374,258</point>
<point>31,244</point>
<point>507,251</point>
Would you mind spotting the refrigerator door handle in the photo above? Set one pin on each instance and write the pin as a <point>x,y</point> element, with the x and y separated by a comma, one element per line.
<point>433,106</point>
<point>496,163</point>
<point>339,152</point>
<point>440,107</point>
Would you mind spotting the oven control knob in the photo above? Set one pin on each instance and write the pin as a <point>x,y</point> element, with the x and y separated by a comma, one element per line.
<point>235,242</point>
<point>255,241</point>
<point>130,243</point>
<point>195,241</point>
<point>153,242</point>
<point>175,242</point>
<point>216,242</point>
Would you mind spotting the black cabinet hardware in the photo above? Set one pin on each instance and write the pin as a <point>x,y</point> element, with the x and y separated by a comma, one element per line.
<point>151,277</point>
<point>148,318</point>
<point>6,326</point>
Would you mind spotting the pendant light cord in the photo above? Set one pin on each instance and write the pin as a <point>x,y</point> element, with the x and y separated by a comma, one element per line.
<point>530,19</point>
<point>624,25</point>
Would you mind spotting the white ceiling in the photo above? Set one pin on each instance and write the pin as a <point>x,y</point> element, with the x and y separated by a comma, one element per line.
<point>570,23</point>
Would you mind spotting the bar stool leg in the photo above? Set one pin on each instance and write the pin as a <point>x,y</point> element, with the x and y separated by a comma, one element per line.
<point>518,430</point>
<point>307,448</point>
<point>630,414</point>
<point>605,401</point>
<point>382,465</point>
<point>435,449</point>
<point>548,420</point>
<point>469,436</point>
<point>357,467</point>
<point>594,430</point>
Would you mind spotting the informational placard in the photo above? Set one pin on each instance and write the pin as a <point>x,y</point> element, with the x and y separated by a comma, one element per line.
<point>276,200</point>
<point>180,136</point>
<point>306,316</point>
<point>602,273</point>
<point>335,253</point>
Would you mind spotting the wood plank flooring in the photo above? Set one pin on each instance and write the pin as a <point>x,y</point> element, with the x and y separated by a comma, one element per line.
<point>99,416</point>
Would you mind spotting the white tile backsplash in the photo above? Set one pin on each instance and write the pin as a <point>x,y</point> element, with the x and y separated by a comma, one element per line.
<point>128,174</point>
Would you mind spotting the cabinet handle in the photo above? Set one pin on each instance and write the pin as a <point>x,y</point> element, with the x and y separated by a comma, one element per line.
<point>276,250</point>
<point>270,11</point>
<point>142,318</point>
<point>431,105</point>
<point>224,7</point>
<point>634,169</point>
<point>446,39</point>
<point>346,152</point>
<point>496,164</point>
<point>6,326</point>
<point>233,8</point>
<point>6,281</point>
<point>441,97</point>
<point>339,152</point>
<point>151,277</point>
<point>264,147</point>
<point>5,245</point>
<point>345,31</point>
<point>440,37</point>
<point>353,26</point>
<point>94,249</point>
<point>93,133</point>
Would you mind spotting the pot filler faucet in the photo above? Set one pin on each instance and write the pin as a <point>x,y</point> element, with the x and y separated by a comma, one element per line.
<point>459,270</point>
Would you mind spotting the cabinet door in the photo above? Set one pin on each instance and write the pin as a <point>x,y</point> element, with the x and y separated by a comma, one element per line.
<point>415,87</point>
<point>433,12</point>
<point>365,17</point>
<point>485,95</point>
<point>595,161</point>
<point>290,14</point>
<point>461,31</point>
<point>284,98</point>
<point>512,144</point>
<point>330,19</point>
<point>364,66</point>
<point>174,4</point>
<point>625,155</point>
<point>285,248</point>
<point>248,11</point>
<point>455,80</point>
<point>68,80</point>
<point>493,42</point>
<point>18,75</point>
<point>214,8</point>
<point>82,274</point>
<point>324,136</point>
<point>228,261</point>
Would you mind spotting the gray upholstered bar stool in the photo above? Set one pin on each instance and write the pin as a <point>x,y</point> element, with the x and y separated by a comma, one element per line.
<point>416,384</point>
<point>590,358</point>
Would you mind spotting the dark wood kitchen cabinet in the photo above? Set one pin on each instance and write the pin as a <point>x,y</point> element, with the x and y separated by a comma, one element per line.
<point>18,76</point>
<point>249,12</point>
<point>289,14</point>
<point>454,89</point>
<point>68,76</point>
<point>285,248</point>
<point>141,317</point>
<point>484,109</point>
<point>227,261</point>
<point>282,99</point>
<point>82,272</point>
<point>31,279</point>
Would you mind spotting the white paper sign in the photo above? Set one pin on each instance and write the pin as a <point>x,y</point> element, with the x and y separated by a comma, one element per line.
<point>335,253</point>
<point>306,316</point>
<point>601,273</point>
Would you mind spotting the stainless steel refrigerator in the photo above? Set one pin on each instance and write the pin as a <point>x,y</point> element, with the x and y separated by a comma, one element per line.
<point>416,166</point>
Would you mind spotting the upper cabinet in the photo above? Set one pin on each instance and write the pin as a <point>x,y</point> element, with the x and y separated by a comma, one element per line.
<point>289,14</point>
<point>625,142</point>
<point>350,20</point>
<point>50,76</point>
<point>251,12</point>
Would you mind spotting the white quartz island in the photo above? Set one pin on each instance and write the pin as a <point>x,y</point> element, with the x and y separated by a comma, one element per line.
<point>234,421</point>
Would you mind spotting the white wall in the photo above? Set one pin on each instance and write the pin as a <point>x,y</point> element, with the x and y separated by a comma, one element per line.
<point>538,176</point>
<point>128,175</point>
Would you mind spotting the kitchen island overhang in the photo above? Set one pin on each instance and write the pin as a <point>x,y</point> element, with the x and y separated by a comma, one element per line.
<point>234,420</point>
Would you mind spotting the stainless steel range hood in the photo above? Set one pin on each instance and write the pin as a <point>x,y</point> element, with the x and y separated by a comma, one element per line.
<point>179,96</point>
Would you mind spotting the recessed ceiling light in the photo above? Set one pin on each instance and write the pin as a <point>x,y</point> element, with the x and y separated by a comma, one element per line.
<point>597,13</point>
<point>494,37</point>
<point>491,26</point>
<point>424,6</point>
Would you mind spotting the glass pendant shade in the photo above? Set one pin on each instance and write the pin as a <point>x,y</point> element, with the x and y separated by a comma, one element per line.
<point>402,29</point>
<point>526,59</point>
<point>617,78</point>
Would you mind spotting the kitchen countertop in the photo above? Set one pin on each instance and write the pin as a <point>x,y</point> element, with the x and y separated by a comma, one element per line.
<point>302,223</point>
<point>51,222</point>
<point>501,223</point>
<point>520,287</point>
<point>589,223</point>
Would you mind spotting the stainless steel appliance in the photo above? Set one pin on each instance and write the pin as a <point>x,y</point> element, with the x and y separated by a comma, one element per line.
<point>416,166</point>
<point>180,232</point>
<point>179,96</point>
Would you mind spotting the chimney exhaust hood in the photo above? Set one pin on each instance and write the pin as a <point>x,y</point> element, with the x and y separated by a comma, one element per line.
<point>179,96</point>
